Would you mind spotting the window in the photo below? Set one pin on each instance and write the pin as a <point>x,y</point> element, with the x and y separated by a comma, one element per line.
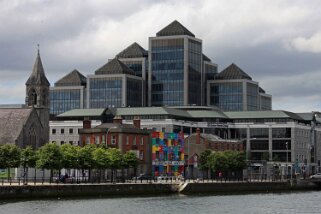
<point>71,131</point>
<point>87,140</point>
<point>62,131</point>
<point>113,139</point>
<point>142,141</point>
<point>53,131</point>
<point>141,155</point>
<point>97,139</point>
<point>62,142</point>
<point>70,142</point>
<point>134,141</point>
<point>127,139</point>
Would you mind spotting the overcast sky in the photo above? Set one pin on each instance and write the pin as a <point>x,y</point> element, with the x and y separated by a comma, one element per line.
<point>278,43</point>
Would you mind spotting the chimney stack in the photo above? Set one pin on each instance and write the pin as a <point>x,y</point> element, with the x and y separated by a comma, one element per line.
<point>198,136</point>
<point>118,119</point>
<point>136,122</point>
<point>86,123</point>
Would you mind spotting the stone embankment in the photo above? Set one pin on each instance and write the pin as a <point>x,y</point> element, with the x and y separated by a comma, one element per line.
<point>149,189</point>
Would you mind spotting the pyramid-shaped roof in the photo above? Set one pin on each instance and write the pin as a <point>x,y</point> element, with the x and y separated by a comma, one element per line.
<point>38,76</point>
<point>232,72</point>
<point>205,58</point>
<point>133,51</point>
<point>74,78</point>
<point>173,29</point>
<point>114,67</point>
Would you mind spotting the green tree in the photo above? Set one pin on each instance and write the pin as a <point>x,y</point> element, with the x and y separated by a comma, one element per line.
<point>115,158</point>
<point>85,158</point>
<point>50,157</point>
<point>9,157</point>
<point>131,161</point>
<point>219,161</point>
<point>204,163</point>
<point>101,160</point>
<point>70,156</point>
<point>28,160</point>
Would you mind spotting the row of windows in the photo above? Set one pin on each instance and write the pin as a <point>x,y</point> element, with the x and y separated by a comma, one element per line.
<point>168,86</point>
<point>65,94</point>
<point>172,54</point>
<point>58,107</point>
<point>167,65</point>
<point>168,75</point>
<point>167,43</point>
<point>62,131</point>
<point>226,88</point>
<point>107,82</point>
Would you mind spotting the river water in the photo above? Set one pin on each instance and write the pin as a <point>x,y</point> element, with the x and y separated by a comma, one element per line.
<point>298,202</point>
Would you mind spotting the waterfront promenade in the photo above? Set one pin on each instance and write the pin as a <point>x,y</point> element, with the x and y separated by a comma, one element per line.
<point>149,188</point>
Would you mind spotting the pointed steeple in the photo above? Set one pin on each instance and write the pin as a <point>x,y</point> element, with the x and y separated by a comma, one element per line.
<point>38,76</point>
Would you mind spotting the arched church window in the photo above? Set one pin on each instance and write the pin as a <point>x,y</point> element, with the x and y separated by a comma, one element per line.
<point>32,97</point>
<point>32,138</point>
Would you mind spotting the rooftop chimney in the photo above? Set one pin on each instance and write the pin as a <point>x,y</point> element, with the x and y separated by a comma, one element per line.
<point>198,136</point>
<point>86,123</point>
<point>118,119</point>
<point>136,122</point>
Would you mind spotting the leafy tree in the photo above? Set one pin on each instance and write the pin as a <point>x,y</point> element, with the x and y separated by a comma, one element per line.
<point>70,156</point>
<point>28,159</point>
<point>204,161</point>
<point>85,158</point>
<point>49,156</point>
<point>131,161</point>
<point>9,157</point>
<point>115,158</point>
<point>101,159</point>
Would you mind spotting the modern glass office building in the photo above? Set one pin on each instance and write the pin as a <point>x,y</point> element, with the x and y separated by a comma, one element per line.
<point>135,57</point>
<point>234,90</point>
<point>175,67</point>
<point>68,93</point>
<point>173,72</point>
<point>114,85</point>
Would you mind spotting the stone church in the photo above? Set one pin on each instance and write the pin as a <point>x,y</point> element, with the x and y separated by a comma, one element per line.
<point>28,124</point>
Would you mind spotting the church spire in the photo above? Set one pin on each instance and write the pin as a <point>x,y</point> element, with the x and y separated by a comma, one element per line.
<point>38,76</point>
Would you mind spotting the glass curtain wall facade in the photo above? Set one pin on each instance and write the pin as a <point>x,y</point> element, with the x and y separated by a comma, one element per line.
<point>265,102</point>
<point>65,99</point>
<point>140,67</point>
<point>167,64</point>
<point>210,70</point>
<point>252,96</point>
<point>227,95</point>
<point>194,72</point>
<point>134,92</point>
<point>105,91</point>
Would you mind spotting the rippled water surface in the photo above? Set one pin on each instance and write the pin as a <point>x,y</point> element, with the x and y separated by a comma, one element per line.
<point>302,202</point>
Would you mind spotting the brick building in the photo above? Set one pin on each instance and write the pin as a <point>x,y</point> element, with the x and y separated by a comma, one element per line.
<point>198,142</point>
<point>125,137</point>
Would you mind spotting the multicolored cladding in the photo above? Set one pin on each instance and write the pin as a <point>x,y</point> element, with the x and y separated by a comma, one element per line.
<point>167,154</point>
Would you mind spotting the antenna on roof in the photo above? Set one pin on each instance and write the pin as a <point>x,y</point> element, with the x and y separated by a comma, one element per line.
<point>38,48</point>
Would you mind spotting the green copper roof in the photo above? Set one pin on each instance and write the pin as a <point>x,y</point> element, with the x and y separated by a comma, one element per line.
<point>83,112</point>
<point>206,114</point>
<point>151,111</point>
<point>261,114</point>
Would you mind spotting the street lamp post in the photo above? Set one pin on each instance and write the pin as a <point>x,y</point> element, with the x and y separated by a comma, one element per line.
<point>287,158</point>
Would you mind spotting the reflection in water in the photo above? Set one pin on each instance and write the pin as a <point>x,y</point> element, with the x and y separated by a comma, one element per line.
<point>302,202</point>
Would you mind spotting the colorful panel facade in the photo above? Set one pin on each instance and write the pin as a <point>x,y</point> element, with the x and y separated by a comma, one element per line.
<point>167,154</point>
